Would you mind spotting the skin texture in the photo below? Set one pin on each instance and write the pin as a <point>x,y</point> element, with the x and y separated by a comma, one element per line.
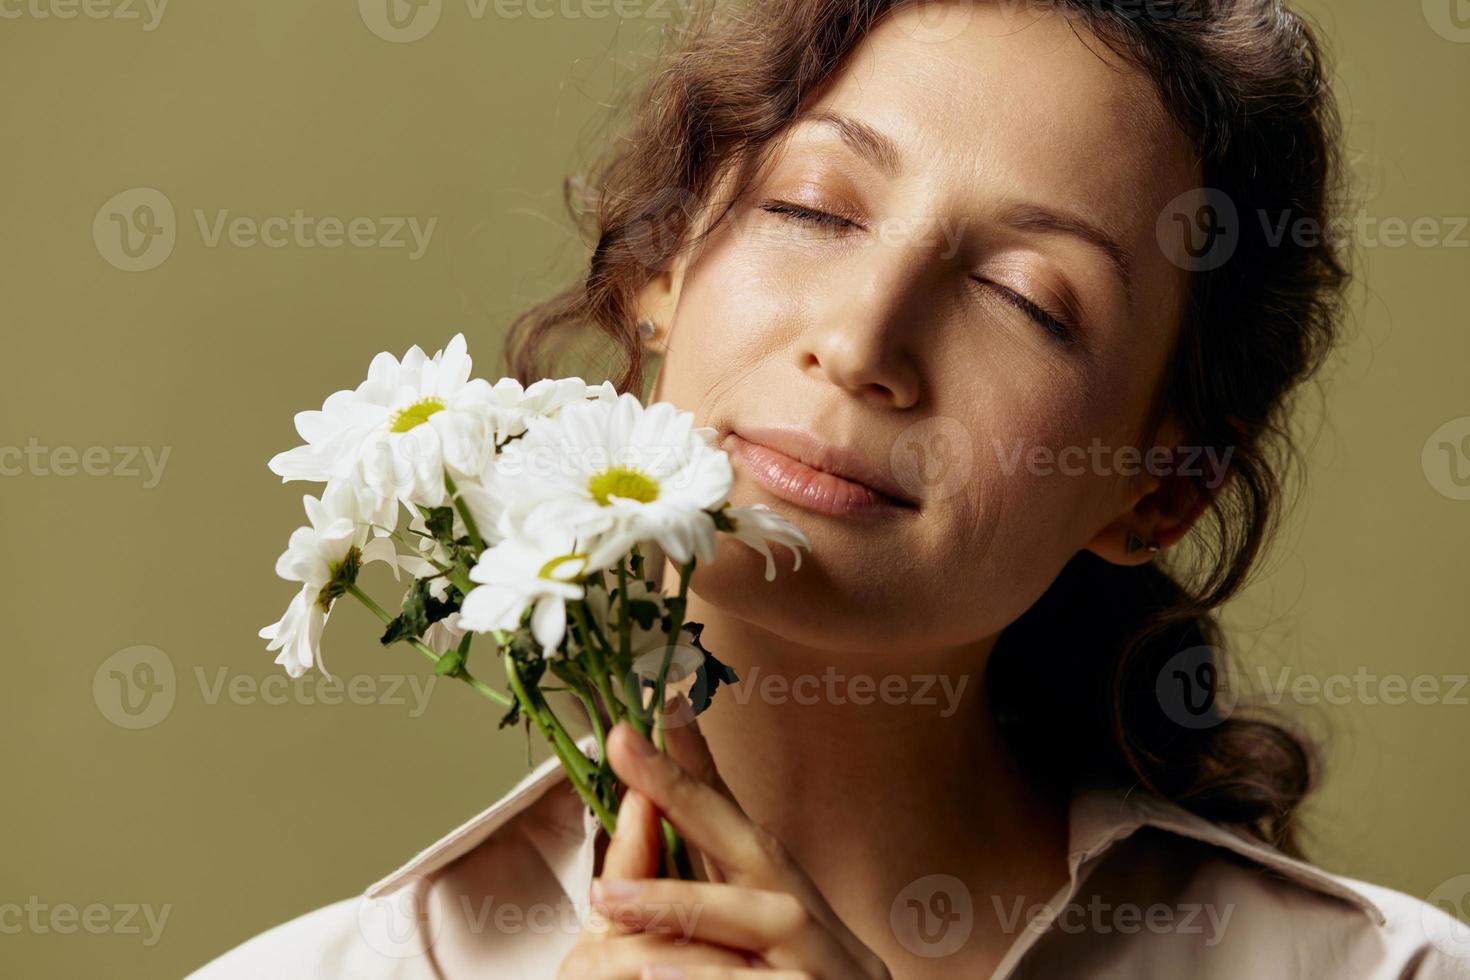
<point>867,333</point>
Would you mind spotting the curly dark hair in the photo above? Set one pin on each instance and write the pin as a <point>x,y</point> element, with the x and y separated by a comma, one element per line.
<point>1074,682</point>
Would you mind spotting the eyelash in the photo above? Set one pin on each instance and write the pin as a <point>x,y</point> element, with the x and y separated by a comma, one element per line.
<point>811,215</point>
<point>1058,326</point>
<point>1053,324</point>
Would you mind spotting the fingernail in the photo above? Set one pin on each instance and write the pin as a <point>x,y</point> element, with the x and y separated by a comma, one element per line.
<point>614,889</point>
<point>664,973</point>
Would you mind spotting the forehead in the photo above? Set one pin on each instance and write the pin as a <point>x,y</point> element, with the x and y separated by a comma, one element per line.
<point>995,95</point>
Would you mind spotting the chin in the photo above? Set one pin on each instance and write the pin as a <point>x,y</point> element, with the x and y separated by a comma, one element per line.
<point>819,606</point>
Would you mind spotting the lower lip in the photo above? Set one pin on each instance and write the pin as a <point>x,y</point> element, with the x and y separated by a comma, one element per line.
<point>826,493</point>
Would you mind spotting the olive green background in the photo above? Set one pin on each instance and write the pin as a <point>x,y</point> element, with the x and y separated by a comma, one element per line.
<point>241,806</point>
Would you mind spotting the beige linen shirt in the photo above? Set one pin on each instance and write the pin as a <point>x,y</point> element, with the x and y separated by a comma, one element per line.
<point>1154,891</point>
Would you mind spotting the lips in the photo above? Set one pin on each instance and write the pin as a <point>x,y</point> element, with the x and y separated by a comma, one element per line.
<point>796,465</point>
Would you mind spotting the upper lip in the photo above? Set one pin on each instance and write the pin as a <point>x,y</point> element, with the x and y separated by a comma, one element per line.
<point>846,461</point>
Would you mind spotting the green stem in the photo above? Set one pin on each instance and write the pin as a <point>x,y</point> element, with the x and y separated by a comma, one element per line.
<point>594,715</point>
<point>614,707</point>
<point>657,708</point>
<point>574,771</point>
<point>503,700</point>
<point>464,514</point>
<point>631,683</point>
<point>676,854</point>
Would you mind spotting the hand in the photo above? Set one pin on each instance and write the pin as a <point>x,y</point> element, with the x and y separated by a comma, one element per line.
<point>758,916</point>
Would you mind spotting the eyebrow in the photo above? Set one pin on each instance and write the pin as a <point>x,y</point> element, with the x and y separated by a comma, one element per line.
<point>876,147</point>
<point>883,152</point>
<point>1034,217</point>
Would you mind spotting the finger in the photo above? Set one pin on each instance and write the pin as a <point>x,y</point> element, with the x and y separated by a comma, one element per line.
<point>686,743</point>
<point>733,973</point>
<point>633,851</point>
<point>626,958</point>
<point>709,820</point>
<point>748,919</point>
<point>775,927</point>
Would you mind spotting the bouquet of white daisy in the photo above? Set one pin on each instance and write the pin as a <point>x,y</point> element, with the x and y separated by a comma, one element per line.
<point>533,513</point>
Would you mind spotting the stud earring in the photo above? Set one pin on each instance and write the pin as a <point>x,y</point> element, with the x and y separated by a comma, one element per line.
<point>1136,543</point>
<point>647,328</point>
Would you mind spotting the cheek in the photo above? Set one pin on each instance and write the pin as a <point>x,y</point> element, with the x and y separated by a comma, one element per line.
<point>732,319</point>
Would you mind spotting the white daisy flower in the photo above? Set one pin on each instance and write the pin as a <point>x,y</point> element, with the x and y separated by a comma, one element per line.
<point>540,573</point>
<point>514,406</point>
<point>615,473</point>
<point>400,428</point>
<point>312,557</point>
<point>445,634</point>
<point>758,524</point>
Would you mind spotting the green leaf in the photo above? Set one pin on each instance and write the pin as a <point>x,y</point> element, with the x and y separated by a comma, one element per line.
<point>440,521</point>
<point>710,675</point>
<point>644,612</point>
<point>420,611</point>
<point>453,660</point>
<point>343,576</point>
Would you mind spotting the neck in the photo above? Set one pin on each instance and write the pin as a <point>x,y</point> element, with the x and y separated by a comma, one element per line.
<point>876,775</point>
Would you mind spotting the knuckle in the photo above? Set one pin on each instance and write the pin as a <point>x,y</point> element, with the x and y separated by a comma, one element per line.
<point>771,848</point>
<point>789,913</point>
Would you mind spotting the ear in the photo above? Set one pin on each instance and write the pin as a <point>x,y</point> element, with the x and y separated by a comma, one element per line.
<point>1166,504</point>
<point>658,300</point>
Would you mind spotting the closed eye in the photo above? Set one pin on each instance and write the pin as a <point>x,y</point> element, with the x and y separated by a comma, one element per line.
<point>798,212</point>
<point>1054,324</point>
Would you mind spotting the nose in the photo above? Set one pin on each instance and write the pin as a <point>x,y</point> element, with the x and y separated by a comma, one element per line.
<point>866,336</point>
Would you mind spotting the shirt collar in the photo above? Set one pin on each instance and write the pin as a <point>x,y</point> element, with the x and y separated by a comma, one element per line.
<point>1102,813</point>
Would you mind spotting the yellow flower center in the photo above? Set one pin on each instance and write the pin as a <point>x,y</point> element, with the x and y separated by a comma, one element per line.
<point>564,568</point>
<point>416,414</point>
<point>622,481</point>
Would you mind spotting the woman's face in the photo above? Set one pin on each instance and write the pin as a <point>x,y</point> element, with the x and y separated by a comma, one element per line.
<point>980,146</point>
